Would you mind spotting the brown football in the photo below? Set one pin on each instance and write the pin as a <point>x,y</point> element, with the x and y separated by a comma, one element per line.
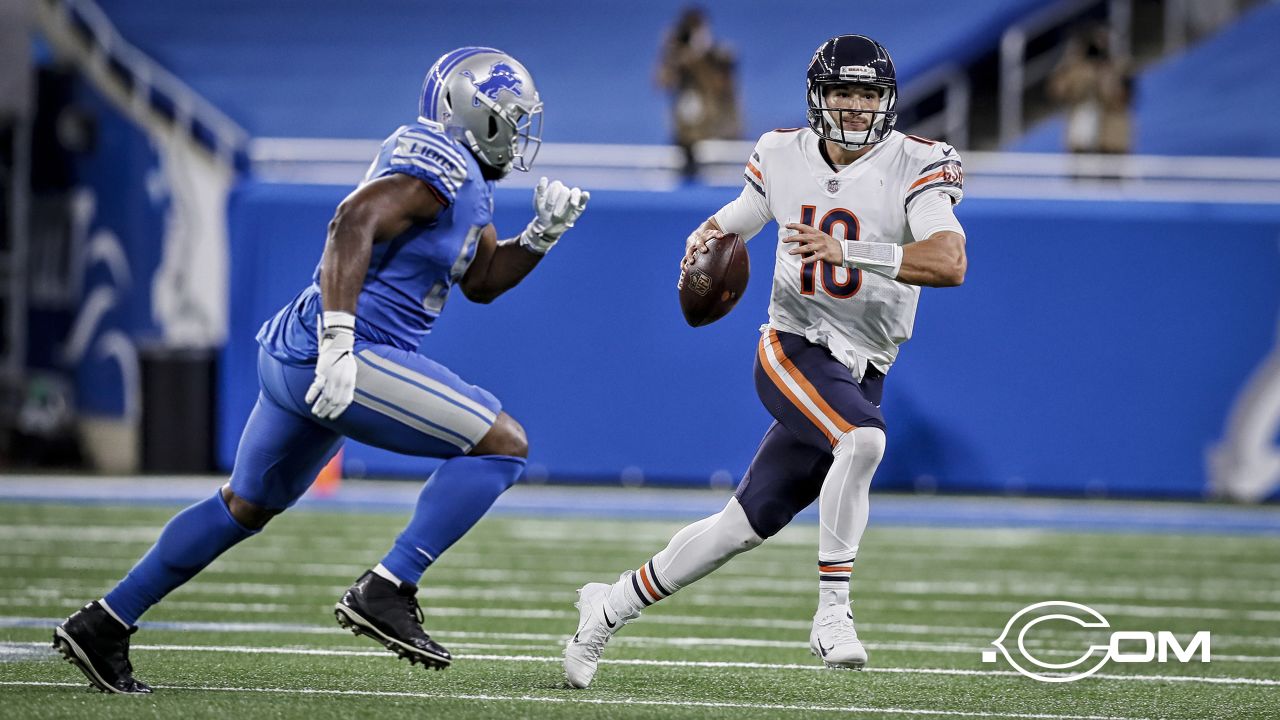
<point>714,282</point>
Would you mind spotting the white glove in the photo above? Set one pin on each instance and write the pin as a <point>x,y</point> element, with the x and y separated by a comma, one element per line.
<point>555,208</point>
<point>335,385</point>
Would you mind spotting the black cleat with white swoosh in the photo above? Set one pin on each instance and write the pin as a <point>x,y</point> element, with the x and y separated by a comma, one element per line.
<point>98,645</point>
<point>375,607</point>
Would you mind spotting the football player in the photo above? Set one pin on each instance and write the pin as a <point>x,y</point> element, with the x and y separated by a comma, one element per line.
<point>865,219</point>
<point>340,360</point>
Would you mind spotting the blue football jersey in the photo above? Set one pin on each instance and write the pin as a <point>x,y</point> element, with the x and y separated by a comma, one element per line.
<point>409,275</point>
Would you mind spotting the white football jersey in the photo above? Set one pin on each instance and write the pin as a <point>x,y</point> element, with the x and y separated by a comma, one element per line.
<point>859,316</point>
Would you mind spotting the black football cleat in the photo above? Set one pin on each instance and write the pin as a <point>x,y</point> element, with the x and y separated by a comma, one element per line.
<point>98,645</point>
<point>375,607</point>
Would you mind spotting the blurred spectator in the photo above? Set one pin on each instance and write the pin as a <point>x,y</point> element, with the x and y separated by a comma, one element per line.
<point>699,74</point>
<point>1097,90</point>
<point>1206,16</point>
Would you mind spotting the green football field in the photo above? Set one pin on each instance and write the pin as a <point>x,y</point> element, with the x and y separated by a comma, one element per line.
<point>254,636</point>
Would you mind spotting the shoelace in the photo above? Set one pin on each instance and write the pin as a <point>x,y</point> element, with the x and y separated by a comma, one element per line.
<point>415,610</point>
<point>596,640</point>
<point>841,628</point>
<point>121,654</point>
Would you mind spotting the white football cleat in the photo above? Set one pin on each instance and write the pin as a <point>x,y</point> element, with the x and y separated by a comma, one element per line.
<point>597,623</point>
<point>834,640</point>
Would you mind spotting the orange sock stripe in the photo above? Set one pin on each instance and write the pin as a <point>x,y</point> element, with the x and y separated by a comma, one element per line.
<point>786,391</point>
<point>835,568</point>
<point>644,578</point>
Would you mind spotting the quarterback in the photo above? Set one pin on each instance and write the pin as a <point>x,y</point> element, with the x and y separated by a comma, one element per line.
<point>341,360</point>
<point>865,219</point>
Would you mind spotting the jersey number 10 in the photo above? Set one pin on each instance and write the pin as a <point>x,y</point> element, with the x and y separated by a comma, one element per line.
<point>840,290</point>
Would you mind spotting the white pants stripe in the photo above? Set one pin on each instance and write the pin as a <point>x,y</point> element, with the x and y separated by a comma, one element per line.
<point>429,410</point>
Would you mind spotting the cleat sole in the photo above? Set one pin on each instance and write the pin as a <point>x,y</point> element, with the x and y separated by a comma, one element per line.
<point>837,666</point>
<point>358,626</point>
<point>69,649</point>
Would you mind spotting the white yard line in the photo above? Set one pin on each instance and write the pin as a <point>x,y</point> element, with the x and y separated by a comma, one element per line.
<point>755,593</point>
<point>582,699</point>
<point>894,540</point>
<point>940,633</point>
<point>701,664</point>
<point>458,638</point>
<point>995,586</point>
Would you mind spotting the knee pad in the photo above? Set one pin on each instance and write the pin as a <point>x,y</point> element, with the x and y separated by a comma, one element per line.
<point>866,443</point>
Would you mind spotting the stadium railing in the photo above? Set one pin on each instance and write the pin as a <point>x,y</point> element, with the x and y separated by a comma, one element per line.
<point>657,167</point>
<point>81,31</point>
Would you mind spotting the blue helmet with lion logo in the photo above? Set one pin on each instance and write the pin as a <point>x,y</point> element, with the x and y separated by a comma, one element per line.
<point>487,100</point>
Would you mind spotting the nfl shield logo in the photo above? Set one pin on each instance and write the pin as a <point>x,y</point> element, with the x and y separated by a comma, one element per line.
<point>700,282</point>
<point>833,186</point>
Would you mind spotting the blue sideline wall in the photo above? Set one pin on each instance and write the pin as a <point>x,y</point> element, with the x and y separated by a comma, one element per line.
<point>1095,347</point>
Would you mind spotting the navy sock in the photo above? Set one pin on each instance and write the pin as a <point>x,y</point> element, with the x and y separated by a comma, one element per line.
<point>191,540</point>
<point>455,497</point>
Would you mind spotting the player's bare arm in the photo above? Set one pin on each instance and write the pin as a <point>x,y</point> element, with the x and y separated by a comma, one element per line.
<point>375,212</point>
<point>500,266</point>
<point>497,268</point>
<point>937,261</point>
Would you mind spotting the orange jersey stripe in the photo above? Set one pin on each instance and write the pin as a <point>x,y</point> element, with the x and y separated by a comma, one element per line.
<point>754,171</point>
<point>808,388</point>
<point>925,179</point>
<point>644,578</point>
<point>777,381</point>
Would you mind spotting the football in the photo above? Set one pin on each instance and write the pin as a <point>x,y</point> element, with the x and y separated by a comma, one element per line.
<point>714,282</point>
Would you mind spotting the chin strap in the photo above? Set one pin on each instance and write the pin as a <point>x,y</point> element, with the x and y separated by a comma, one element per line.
<point>482,158</point>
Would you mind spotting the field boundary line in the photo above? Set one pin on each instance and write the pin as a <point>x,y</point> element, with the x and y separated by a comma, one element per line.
<point>606,701</point>
<point>702,664</point>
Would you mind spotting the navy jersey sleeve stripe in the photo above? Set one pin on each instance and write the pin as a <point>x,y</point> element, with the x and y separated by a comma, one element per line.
<point>752,182</point>
<point>948,187</point>
<point>940,163</point>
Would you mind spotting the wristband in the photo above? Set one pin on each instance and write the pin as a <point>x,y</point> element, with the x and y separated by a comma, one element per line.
<point>536,243</point>
<point>336,322</point>
<point>877,257</point>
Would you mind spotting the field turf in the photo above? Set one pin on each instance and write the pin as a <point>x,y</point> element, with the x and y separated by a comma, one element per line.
<point>254,636</point>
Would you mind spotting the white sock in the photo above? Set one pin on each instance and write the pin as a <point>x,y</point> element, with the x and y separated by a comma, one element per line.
<point>386,574</point>
<point>112,613</point>
<point>842,510</point>
<point>693,553</point>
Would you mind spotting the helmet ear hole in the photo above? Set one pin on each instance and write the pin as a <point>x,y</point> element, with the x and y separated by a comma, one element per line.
<point>448,100</point>
<point>493,127</point>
